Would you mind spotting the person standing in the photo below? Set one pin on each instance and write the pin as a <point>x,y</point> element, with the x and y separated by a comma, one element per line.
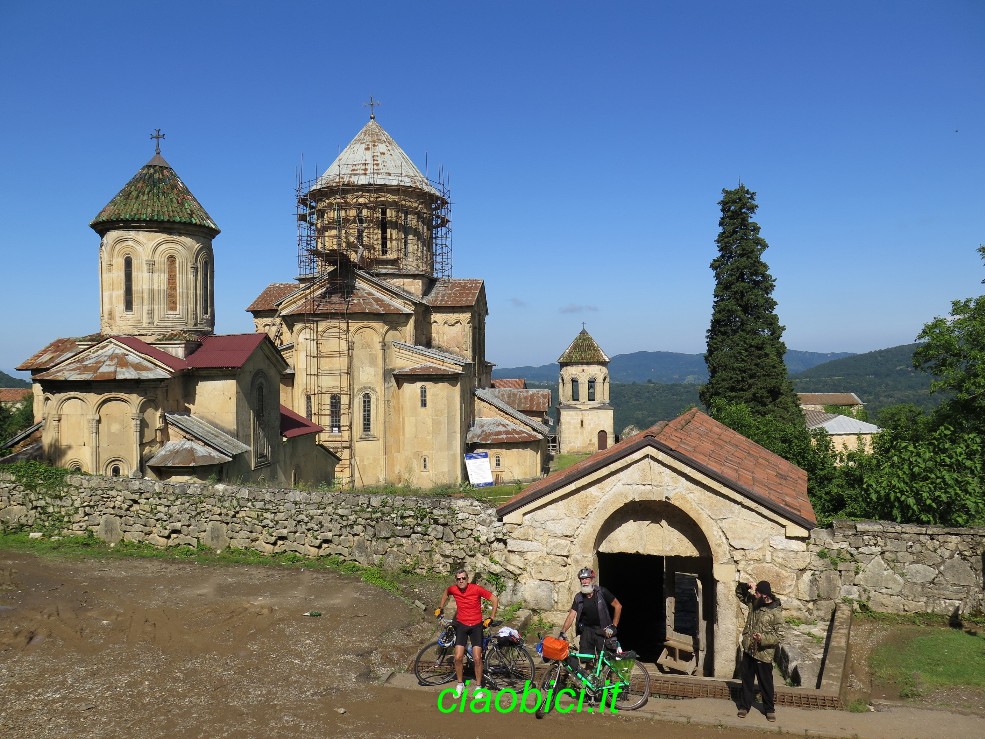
<point>468,623</point>
<point>590,612</point>
<point>760,638</point>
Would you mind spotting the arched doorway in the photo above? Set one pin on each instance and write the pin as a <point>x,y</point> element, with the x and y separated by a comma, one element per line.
<point>603,440</point>
<point>658,563</point>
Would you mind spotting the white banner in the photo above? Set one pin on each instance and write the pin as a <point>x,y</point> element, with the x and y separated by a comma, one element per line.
<point>477,467</point>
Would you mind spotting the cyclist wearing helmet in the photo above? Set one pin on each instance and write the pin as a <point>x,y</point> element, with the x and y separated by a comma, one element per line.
<point>590,612</point>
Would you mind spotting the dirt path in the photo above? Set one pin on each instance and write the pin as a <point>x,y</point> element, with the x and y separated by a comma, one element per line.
<point>113,648</point>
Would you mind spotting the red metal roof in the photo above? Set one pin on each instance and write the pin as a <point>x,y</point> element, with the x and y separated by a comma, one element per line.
<point>291,424</point>
<point>14,394</point>
<point>226,352</point>
<point>454,293</point>
<point>535,401</point>
<point>153,352</point>
<point>709,447</point>
<point>499,431</point>
<point>506,382</point>
<point>271,295</point>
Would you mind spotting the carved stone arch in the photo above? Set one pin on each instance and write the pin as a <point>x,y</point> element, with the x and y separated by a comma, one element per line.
<point>121,246</point>
<point>62,400</point>
<point>165,246</point>
<point>359,412</point>
<point>112,398</point>
<point>116,467</point>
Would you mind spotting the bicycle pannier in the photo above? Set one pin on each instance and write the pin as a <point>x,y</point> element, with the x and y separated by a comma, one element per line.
<point>555,648</point>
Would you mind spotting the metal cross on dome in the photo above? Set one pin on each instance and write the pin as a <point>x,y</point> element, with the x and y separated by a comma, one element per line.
<point>372,107</point>
<point>157,135</point>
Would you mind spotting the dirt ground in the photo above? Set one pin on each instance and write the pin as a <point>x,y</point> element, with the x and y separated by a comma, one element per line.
<point>115,648</point>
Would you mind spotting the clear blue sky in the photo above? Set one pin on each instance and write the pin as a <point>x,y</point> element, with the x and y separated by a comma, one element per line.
<point>587,146</point>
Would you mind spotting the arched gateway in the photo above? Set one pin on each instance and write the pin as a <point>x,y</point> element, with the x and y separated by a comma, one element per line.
<point>671,518</point>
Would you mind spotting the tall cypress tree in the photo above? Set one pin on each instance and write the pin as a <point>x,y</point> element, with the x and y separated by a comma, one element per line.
<point>745,346</point>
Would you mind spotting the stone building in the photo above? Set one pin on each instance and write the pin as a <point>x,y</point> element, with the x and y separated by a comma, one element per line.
<point>585,417</point>
<point>155,393</point>
<point>386,350</point>
<point>670,518</point>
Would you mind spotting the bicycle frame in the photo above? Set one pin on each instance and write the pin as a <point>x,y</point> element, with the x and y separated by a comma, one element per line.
<point>601,662</point>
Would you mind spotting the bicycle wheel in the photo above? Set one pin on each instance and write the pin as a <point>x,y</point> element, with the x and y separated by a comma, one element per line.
<point>635,691</point>
<point>553,681</point>
<point>509,667</point>
<point>435,664</point>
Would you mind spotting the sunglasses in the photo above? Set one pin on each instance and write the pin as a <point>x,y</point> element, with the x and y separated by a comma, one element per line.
<point>461,578</point>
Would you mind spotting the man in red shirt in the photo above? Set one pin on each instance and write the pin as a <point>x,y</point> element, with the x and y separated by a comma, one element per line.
<point>468,624</point>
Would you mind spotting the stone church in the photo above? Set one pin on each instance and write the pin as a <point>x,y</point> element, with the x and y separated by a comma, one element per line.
<point>369,368</point>
<point>585,416</point>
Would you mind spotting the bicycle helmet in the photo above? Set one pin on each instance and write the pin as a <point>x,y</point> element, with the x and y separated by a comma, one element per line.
<point>586,572</point>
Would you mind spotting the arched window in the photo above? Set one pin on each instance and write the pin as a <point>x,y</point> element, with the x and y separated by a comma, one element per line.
<point>115,472</point>
<point>128,284</point>
<point>499,461</point>
<point>406,233</point>
<point>591,389</point>
<point>367,413</point>
<point>206,299</point>
<point>338,225</point>
<point>360,227</point>
<point>424,396</point>
<point>335,413</point>
<point>307,406</point>
<point>383,227</point>
<point>261,445</point>
<point>574,388</point>
<point>171,289</point>
<point>424,464</point>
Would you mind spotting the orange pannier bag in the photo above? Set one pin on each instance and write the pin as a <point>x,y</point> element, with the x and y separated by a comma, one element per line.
<point>555,648</point>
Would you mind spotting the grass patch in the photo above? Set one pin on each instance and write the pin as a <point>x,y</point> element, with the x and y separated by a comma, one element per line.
<point>563,461</point>
<point>921,659</point>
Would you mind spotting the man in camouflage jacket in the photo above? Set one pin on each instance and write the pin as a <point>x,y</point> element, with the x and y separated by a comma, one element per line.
<point>760,638</point>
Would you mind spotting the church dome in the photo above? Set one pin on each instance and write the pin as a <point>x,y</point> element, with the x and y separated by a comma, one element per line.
<point>154,195</point>
<point>373,158</point>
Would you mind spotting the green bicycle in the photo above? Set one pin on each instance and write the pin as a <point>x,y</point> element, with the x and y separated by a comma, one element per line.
<point>616,679</point>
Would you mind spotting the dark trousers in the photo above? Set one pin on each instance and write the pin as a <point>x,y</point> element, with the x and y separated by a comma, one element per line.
<point>753,669</point>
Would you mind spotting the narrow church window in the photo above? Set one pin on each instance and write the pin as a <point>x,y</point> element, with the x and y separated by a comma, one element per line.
<point>206,302</point>
<point>383,244</point>
<point>591,389</point>
<point>360,226</point>
<point>261,447</point>
<point>424,463</point>
<point>307,406</point>
<point>574,388</point>
<point>406,233</point>
<point>424,396</point>
<point>499,461</point>
<point>115,471</point>
<point>367,413</point>
<point>338,225</point>
<point>171,274</point>
<point>335,413</point>
<point>128,284</point>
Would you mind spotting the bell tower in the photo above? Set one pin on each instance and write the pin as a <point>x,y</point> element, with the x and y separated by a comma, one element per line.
<point>585,417</point>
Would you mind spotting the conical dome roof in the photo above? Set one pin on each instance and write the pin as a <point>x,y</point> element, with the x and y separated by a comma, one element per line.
<point>155,194</point>
<point>373,158</point>
<point>583,350</point>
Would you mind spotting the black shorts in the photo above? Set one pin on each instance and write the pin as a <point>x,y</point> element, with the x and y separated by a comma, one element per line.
<point>470,633</point>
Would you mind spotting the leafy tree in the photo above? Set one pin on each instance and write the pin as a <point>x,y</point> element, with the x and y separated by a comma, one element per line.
<point>954,352</point>
<point>15,419</point>
<point>745,346</point>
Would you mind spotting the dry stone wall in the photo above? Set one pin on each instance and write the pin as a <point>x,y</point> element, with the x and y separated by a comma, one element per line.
<point>420,533</point>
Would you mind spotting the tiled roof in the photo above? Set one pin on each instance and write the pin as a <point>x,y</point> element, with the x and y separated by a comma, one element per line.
<point>427,370</point>
<point>527,401</point>
<point>14,394</point>
<point>700,442</point>
<point>454,293</point>
<point>583,350</point>
<point>828,399</point>
<point>291,424</point>
<point>155,194</point>
<point>329,297</point>
<point>498,431</point>
<point>207,433</point>
<point>509,382</point>
<point>271,295</point>
<point>50,355</point>
<point>489,396</point>
<point>116,358</point>
<point>186,453</point>
<point>373,158</point>
<point>225,352</point>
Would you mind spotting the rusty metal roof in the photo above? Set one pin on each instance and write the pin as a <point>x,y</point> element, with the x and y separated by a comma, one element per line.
<point>498,431</point>
<point>490,397</point>
<point>206,433</point>
<point>50,355</point>
<point>427,370</point>
<point>454,293</point>
<point>428,351</point>
<point>113,359</point>
<point>186,453</point>
<point>333,297</point>
<point>229,351</point>
<point>273,294</point>
<point>509,382</point>
<point>583,350</point>
<point>14,394</point>
<point>154,194</point>
<point>291,424</point>
<point>709,447</point>
<point>525,400</point>
<point>828,399</point>
<point>373,158</point>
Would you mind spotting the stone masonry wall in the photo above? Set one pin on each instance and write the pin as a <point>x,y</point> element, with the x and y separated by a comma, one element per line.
<point>420,533</point>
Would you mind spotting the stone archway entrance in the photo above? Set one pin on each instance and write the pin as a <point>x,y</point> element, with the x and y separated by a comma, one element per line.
<point>658,563</point>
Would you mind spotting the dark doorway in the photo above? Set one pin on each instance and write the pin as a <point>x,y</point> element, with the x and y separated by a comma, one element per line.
<point>637,580</point>
<point>603,441</point>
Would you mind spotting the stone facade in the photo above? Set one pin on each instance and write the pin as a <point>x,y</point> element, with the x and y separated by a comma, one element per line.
<point>585,418</point>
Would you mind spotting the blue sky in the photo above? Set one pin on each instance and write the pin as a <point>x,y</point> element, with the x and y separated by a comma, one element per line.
<point>587,145</point>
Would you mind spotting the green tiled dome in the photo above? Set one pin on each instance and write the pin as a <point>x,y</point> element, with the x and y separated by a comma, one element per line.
<point>155,194</point>
<point>583,350</point>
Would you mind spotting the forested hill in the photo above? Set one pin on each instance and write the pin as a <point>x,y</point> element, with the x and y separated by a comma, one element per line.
<point>663,367</point>
<point>8,381</point>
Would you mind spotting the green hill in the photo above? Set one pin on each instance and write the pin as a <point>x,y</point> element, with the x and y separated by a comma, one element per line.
<point>8,381</point>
